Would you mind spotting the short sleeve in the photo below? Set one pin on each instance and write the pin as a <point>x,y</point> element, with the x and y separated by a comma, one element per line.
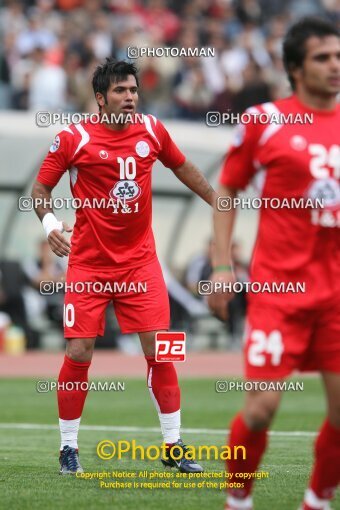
<point>238,167</point>
<point>169,153</point>
<point>58,159</point>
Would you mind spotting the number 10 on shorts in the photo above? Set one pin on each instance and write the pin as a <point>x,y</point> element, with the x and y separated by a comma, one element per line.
<point>170,346</point>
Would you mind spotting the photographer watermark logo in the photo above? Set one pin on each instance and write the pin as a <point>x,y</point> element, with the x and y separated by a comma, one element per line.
<point>170,346</point>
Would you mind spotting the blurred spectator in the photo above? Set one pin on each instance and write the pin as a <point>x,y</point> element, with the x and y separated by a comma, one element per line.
<point>5,90</point>
<point>101,41</point>
<point>51,47</point>
<point>34,36</point>
<point>47,86</point>
<point>300,8</point>
<point>155,88</point>
<point>12,18</point>
<point>184,307</point>
<point>255,89</point>
<point>200,269</point>
<point>159,18</point>
<point>12,282</point>
<point>41,300</point>
<point>68,5</point>
<point>192,94</point>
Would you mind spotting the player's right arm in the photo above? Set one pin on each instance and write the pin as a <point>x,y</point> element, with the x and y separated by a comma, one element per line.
<point>54,165</point>
<point>42,195</point>
<point>237,171</point>
<point>223,222</point>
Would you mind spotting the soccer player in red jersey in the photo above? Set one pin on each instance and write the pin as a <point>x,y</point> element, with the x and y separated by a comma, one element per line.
<point>290,331</point>
<point>113,160</point>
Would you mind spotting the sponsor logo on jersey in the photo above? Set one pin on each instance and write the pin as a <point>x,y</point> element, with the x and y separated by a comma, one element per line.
<point>103,154</point>
<point>55,145</point>
<point>298,143</point>
<point>126,191</point>
<point>142,149</point>
<point>327,190</point>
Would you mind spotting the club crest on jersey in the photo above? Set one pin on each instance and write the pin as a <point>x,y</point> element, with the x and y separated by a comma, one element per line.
<point>142,149</point>
<point>55,145</point>
<point>103,154</point>
<point>298,143</point>
<point>125,190</point>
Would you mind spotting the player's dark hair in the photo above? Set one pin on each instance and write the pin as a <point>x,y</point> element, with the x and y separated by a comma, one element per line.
<point>112,71</point>
<point>294,44</point>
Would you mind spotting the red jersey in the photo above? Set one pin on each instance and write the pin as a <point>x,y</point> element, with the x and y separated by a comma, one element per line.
<point>293,161</point>
<point>114,166</point>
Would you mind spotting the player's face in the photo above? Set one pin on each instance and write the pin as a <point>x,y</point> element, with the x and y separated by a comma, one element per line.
<point>122,97</point>
<point>320,72</point>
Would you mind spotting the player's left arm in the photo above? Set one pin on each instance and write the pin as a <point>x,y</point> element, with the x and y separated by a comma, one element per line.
<point>189,174</point>
<point>171,157</point>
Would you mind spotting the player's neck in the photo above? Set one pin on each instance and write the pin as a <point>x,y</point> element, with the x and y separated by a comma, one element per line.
<point>316,102</point>
<point>116,126</point>
<point>113,126</point>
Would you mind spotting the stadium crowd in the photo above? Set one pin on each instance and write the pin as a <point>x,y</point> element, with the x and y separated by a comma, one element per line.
<point>49,48</point>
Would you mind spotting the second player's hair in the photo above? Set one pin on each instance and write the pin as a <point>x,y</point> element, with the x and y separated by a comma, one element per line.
<point>112,71</point>
<point>294,44</point>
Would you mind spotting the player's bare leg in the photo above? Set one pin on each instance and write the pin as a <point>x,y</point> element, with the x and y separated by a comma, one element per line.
<point>249,428</point>
<point>80,349</point>
<point>326,470</point>
<point>165,393</point>
<point>71,399</point>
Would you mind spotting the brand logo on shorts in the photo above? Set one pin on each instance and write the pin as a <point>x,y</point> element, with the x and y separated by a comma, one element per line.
<point>103,154</point>
<point>170,346</point>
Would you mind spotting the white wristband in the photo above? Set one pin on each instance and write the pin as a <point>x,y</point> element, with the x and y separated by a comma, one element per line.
<point>50,223</point>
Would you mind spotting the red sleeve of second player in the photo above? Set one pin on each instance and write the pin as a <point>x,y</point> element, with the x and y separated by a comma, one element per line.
<point>57,160</point>
<point>238,167</point>
<point>169,153</point>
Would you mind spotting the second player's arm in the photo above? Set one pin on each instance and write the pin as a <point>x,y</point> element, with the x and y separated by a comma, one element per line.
<point>42,200</point>
<point>189,174</point>
<point>222,264</point>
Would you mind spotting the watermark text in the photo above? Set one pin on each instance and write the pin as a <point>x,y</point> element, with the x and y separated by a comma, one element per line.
<point>225,386</point>
<point>47,288</point>
<point>207,287</point>
<point>135,52</point>
<point>214,119</point>
<point>47,386</point>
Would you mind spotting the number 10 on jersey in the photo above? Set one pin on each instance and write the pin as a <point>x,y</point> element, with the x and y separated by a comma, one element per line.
<point>127,168</point>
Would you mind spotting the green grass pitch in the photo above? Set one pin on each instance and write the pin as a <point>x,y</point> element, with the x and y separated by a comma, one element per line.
<point>29,476</point>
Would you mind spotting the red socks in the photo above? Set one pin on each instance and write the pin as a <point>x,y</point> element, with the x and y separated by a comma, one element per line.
<point>163,385</point>
<point>162,382</point>
<point>326,471</point>
<point>71,400</point>
<point>255,443</point>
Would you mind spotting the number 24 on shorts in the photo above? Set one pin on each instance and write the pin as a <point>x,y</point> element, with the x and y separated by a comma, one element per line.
<point>262,344</point>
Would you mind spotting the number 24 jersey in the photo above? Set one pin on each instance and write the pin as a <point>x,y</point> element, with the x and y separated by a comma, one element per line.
<point>299,161</point>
